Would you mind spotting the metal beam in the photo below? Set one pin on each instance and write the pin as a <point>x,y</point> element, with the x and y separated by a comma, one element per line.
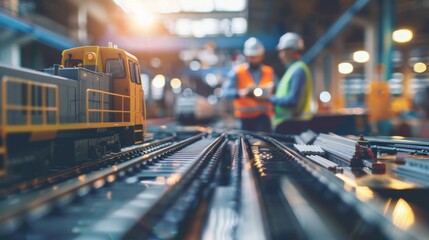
<point>38,33</point>
<point>334,30</point>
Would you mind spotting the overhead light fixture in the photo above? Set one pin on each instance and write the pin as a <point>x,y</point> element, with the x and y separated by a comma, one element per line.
<point>174,6</point>
<point>158,81</point>
<point>144,18</point>
<point>175,83</point>
<point>419,67</point>
<point>130,6</point>
<point>208,26</point>
<point>361,56</point>
<point>231,6</point>
<point>197,5</point>
<point>402,35</point>
<point>239,25</point>
<point>198,29</point>
<point>345,68</point>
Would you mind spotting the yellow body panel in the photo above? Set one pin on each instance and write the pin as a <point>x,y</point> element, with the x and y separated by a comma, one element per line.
<point>62,127</point>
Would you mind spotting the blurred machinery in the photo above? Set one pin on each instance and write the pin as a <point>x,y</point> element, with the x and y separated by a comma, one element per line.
<point>191,108</point>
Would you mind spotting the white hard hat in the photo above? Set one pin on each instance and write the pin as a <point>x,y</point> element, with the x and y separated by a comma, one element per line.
<point>290,40</point>
<point>253,47</point>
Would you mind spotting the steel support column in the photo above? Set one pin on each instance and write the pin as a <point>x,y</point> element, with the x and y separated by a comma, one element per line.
<point>387,22</point>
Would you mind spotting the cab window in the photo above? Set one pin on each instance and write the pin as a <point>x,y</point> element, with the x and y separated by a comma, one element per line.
<point>115,67</point>
<point>73,63</point>
<point>138,80</point>
<point>132,71</point>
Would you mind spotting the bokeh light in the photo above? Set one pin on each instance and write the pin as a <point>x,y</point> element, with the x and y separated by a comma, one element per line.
<point>158,81</point>
<point>345,68</point>
<point>258,92</point>
<point>419,67</point>
<point>402,35</point>
<point>361,56</point>
<point>325,97</point>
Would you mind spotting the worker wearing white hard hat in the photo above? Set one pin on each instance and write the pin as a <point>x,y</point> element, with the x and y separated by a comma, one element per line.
<point>293,97</point>
<point>250,85</point>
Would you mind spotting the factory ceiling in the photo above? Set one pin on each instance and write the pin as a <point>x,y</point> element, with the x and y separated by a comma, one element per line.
<point>100,21</point>
<point>267,19</point>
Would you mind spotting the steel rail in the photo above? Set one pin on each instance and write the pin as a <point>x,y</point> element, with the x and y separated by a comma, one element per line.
<point>251,224</point>
<point>159,212</point>
<point>34,205</point>
<point>62,175</point>
<point>181,189</point>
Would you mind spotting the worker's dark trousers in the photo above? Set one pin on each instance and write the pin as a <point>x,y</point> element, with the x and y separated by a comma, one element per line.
<point>261,123</point>
<point>292,127</point>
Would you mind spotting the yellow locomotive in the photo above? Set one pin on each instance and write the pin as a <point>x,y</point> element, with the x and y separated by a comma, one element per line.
<point>91,105</point>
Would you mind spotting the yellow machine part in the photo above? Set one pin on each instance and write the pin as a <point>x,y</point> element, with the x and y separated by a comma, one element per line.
<point>401,104</point>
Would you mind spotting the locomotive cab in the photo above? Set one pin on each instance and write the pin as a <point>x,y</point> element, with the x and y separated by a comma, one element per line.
<point>125,84</point>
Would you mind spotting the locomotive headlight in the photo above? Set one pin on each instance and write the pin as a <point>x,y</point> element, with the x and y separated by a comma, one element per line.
<point>258,92</point>
<point>90,56</point>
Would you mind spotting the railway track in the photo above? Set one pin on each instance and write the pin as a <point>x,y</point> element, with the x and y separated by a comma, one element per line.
<point>222,185</point>
<point>27,207</point>
<point>58,175</point>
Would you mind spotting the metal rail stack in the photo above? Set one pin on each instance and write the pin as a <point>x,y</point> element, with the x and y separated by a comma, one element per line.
<point>343,148</point>
<point>304,201</point>
<point>356,154</point>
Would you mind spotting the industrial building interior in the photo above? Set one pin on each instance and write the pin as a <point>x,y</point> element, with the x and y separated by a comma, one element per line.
<point>370,126</point>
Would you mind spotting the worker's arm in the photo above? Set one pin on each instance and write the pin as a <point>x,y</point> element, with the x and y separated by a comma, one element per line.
<point>275,84</point>
<point>230,86</point>
<point>275,80</point>
<point>297,85</point>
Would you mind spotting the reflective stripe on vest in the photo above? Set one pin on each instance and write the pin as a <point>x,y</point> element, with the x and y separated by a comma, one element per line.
<point>302,111</point>
<point>246,107</point>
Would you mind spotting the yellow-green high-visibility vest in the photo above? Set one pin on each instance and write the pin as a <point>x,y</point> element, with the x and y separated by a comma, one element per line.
<point>302,111</point>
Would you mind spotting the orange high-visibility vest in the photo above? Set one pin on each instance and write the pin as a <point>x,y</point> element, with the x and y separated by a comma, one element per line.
<point>246,107</point>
